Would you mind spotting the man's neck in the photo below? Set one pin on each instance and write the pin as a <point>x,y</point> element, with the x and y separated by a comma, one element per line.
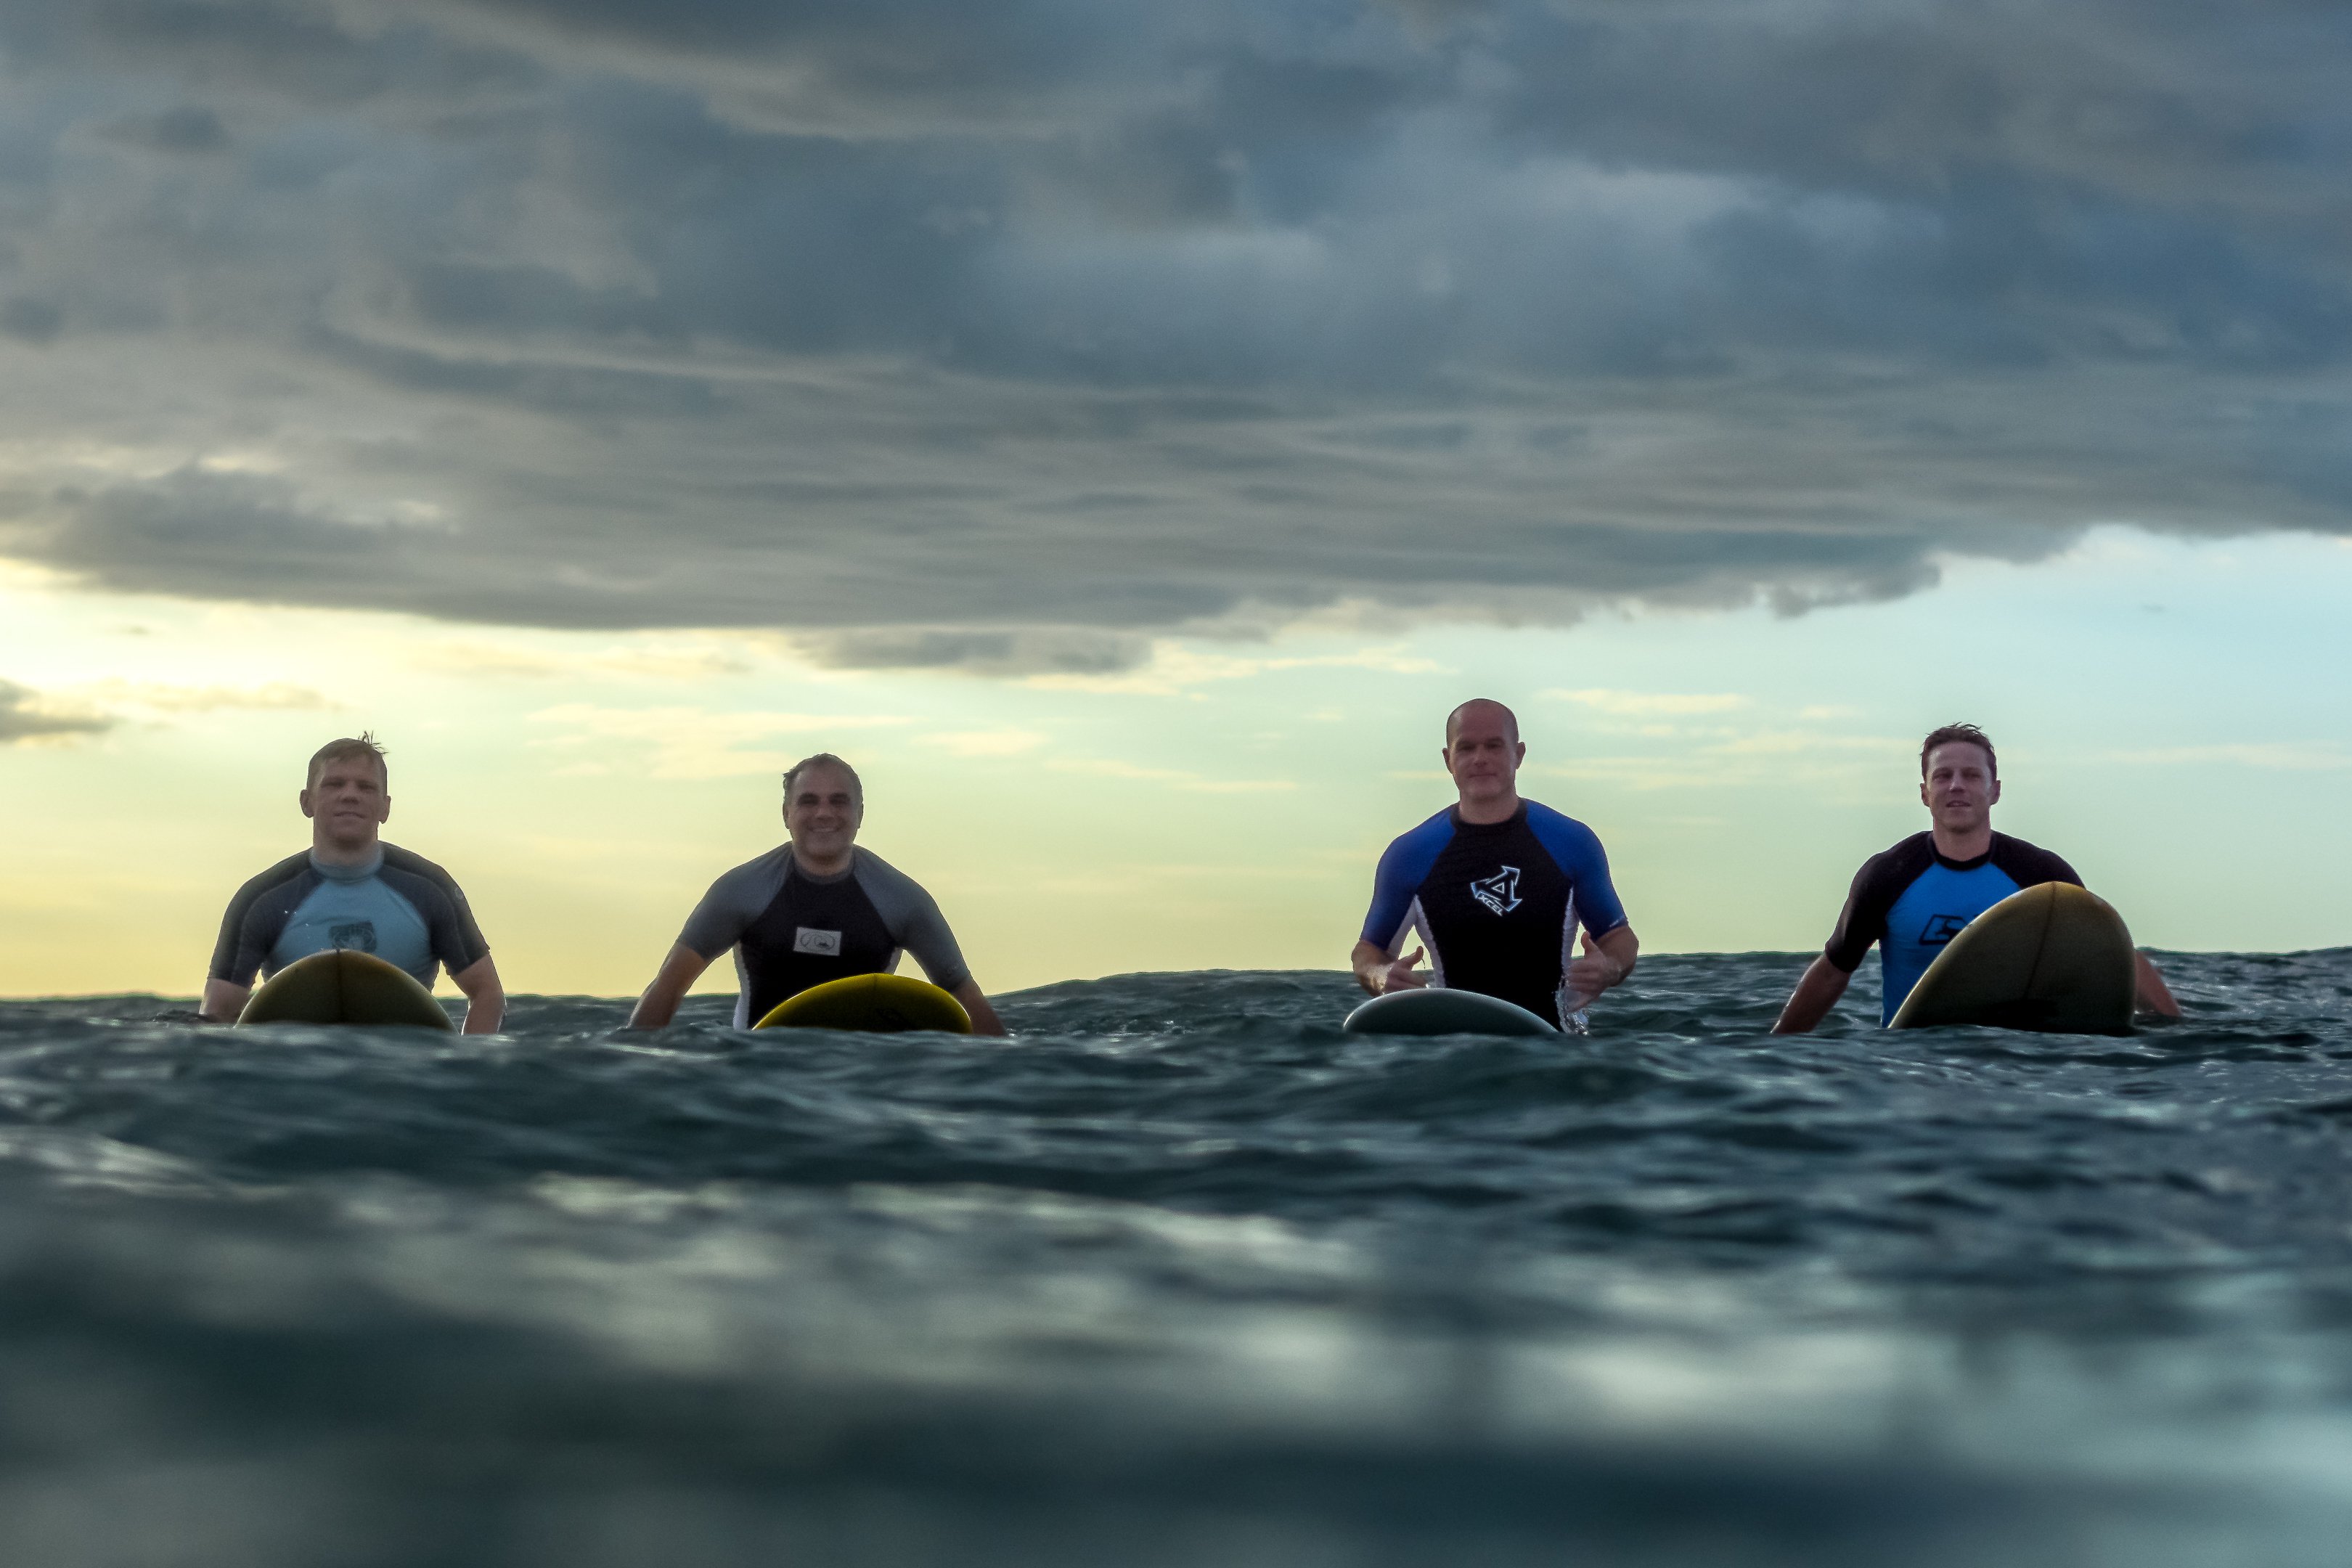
<point>327,852</point>
<point>1973,845</point>
<point>811,866</point>
<point>1486,813</point>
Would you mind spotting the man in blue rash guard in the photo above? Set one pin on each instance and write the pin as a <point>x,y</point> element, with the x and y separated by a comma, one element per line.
<point>351,889</point>
<point>1495,889</point>
<point>1914,899</point>
<point>814,909</point>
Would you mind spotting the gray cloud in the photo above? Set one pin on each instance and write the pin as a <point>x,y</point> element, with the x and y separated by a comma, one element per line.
<point>1006,336</point>
<point>22,718</point>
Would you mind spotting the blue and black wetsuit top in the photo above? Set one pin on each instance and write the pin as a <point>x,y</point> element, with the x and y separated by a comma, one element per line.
<point>400,907</point>
<point>1911,902</point>
<point>1497,904</point>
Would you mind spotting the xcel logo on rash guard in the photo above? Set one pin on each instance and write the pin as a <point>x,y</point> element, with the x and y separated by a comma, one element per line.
<point>1499,893</point>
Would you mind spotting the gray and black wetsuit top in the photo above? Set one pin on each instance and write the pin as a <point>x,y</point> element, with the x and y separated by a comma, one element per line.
<point>791,930</point>
<point>401,907</point>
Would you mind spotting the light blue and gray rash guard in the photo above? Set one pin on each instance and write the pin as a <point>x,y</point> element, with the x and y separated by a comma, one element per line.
<point>401,907</point>
<point>791,930</point>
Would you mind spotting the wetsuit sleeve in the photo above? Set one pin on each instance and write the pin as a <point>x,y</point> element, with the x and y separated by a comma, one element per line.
<point>1403,868</point>
<point>1576,850</point>
<point>256,917</point>
<point>733,902</point>
<point>913,918</point>
<point>2028,865</point>
<point>449,929</point>
<point>1875,887</point>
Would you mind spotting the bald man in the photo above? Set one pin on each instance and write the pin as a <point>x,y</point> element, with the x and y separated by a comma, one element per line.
<point>1495,889</point>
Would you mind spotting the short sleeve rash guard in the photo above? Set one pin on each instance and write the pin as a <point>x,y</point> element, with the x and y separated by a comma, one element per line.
<point>1496,904</point>
<point>1911,902</point>
<point>791,930</point>
<point>403,908</point>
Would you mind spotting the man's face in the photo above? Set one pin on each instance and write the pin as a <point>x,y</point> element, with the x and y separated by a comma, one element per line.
<point>823,812</point>
<point>348,802</point>
<point>1959,789</point>
<point>1484,756</point>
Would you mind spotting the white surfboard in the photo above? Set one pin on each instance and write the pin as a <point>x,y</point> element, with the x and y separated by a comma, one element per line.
<point>1433,1010</point>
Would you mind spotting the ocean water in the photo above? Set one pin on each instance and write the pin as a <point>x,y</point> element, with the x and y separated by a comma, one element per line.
<point>1182,1275</point>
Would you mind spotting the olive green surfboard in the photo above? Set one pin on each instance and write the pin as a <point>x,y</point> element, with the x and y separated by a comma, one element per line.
<point>344,987</point>
<point>2053,958</point>
<point>874,1004</point>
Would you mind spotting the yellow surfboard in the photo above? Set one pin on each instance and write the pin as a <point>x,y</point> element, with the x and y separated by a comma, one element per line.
<point>2053,958</point>
<point>874,1003</point>
<point>344,987</point>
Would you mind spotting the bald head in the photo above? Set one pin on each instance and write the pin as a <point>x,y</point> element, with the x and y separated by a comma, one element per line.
<point>1484,709</point>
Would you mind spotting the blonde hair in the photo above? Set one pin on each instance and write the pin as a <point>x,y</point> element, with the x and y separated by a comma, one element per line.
<point>350,747</point>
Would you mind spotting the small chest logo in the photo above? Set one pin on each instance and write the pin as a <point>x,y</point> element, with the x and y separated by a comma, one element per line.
<point>823,944</point>
<point>1499,893</point>
<point>355,936</point>
<point>1941,928</point>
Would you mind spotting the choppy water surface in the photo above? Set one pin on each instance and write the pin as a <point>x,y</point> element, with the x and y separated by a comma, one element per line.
<point>1183,1275</point>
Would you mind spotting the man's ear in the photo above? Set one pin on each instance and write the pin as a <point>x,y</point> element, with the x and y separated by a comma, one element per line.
<point>1994,798</point>
<point>303,800</point>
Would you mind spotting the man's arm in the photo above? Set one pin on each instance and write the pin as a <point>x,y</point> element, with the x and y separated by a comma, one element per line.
<point>1817,992</point>
<point>1607,959</point>
<point>1378,972</point>
<point>2151,994</point>
<point>486,999</point>
<point>676,977</point>
<point>223,1001</point>
<point>984,1020</point>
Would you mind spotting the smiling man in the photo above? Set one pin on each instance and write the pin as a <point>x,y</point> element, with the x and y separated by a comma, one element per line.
<point>1914,899</point>
<point>1496,888</point>
<point>814,909</point>
<point>351,889</point>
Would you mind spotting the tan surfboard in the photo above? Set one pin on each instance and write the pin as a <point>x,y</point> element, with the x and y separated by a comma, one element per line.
<point>874,1004</point>
<point>344,987</point>
<point>2054,958</point>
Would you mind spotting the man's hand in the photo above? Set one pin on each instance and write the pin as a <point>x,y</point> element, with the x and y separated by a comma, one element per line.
<point>1403,976</point>
<point>1607,959</point>
<point>1379,973</point>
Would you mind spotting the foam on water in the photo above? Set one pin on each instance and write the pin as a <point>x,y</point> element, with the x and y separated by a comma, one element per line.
<point>1183,1275</point>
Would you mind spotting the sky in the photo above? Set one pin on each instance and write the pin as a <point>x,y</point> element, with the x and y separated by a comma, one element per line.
<point>1125,429</point>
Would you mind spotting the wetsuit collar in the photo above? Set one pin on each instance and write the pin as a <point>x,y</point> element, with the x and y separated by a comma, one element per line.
<point>1461,825</point>
<point>348,873</point>
<point>1948,864</point>
<point>805,875</point>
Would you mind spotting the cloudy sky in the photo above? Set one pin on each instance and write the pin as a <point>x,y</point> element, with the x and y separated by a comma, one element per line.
<point>1133,426</point>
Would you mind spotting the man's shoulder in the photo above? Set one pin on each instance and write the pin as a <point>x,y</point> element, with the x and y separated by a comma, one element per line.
<point>290,870</point>
<point>410,863</point>
<point>1903,859</point>
<point>1556,827</point>
<point>2030,863</point>
<point>1430,834</point>
<point>871,870</point>
<point>774,862</point>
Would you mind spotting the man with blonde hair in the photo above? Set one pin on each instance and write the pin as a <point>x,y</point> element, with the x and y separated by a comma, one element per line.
<point>351,890</point>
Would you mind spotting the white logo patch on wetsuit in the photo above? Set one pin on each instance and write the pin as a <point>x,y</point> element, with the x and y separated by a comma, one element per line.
<point>824,943</point>
<point>1499,893</point>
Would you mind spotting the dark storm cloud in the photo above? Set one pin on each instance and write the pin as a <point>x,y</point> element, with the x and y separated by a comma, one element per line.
<point>1003,336</point>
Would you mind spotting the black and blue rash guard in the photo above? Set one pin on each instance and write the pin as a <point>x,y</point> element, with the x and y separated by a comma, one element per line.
<point>1496,904</point>
<point>791,930</point>
<point>401,907</point>
<point>1912,901</point>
